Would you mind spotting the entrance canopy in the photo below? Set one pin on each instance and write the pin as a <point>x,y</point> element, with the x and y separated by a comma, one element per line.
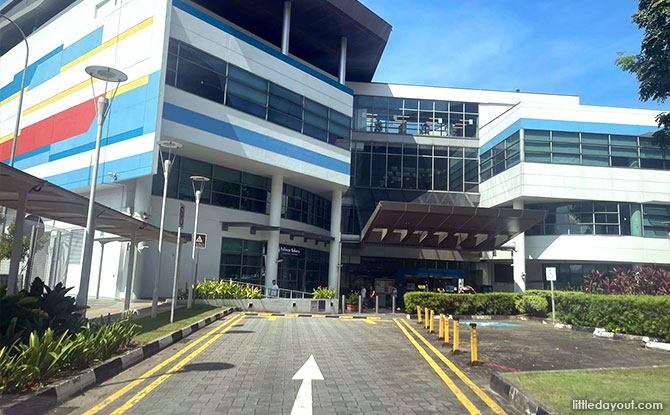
<point>53,202</point>
<point>422,225</point>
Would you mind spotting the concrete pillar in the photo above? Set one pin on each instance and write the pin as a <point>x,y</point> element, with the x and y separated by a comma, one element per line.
<point>335,225</point>
<point>130,272</point>
<point>286,27</point>
<point>272,250</point>
<point>17,244</point>
<point>519,256</point>
<point>343,60</point>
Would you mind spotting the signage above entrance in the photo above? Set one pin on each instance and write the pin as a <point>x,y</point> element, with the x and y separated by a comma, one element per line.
<point>289,250</point>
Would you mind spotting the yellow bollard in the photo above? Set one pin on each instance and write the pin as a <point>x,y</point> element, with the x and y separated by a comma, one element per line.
<point>440,329</point>
<point>473,343</point>
<point>425,321</point>
<point>457,338</point>
<point>446,330</point>
<point>418,314</point>
<point>432,321</point>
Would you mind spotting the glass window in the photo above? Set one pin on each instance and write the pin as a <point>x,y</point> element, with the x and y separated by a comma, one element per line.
<point>378,175</point>
<point>425,171</point>
<point>440,172</point>
<point>200,81</point>
<point>536,135</point>
<point>362,169</point>
<point>393,170</point>
<point>409,168</point>
<point>455,175</point>
<point>565,136</point>
<point>591,138</point>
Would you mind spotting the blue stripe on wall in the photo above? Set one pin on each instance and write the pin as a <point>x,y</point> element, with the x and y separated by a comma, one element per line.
<point>82,46</point>
<point>15,85</point>
<point>253,42</point>
<point>125,168</point>
<point>202,122</point>
<point>572,126</point>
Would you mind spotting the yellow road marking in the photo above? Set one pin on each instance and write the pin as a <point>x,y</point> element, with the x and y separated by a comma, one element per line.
<point>450,384</point>
<point>107,44</point>
<point>483,396</point>
<point>156,368</point>
<point>272,318</point>
<point>144,392</point>
<point>346,317</point>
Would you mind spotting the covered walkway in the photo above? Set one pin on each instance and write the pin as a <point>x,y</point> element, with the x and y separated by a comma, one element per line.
<point>27,194</point>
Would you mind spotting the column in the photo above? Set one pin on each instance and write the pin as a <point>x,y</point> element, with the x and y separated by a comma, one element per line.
<point>272,250</point>
<point>522,145</point>
<point>17,243</point>
<point>130,272</point>
<point>286,27</point>
<point>519,256</point>
<point>343,59</point>
<point>335,233</point>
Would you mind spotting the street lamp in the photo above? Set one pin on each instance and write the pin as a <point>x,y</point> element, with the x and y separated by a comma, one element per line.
<point>16,246</point>
<point>198,183</point>
<point>109,75</point>
<point>169,147</point>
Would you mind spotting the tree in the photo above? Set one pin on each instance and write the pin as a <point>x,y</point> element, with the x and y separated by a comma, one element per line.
<point>6,241</point>
<point>652,64</point>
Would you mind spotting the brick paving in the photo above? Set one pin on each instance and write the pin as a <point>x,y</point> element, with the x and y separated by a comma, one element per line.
<point>367,369</point>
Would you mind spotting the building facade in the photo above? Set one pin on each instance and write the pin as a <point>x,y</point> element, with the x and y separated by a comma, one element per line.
<point>314,171</point>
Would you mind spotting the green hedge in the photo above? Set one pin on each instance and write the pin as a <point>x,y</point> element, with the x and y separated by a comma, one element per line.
<point>630,314</point>
<point>490,304</point>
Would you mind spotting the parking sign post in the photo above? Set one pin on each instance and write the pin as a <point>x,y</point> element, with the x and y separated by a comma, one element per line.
<point>551,277</point>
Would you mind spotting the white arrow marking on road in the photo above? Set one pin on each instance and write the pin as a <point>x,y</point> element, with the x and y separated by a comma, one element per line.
<point>303,401</point>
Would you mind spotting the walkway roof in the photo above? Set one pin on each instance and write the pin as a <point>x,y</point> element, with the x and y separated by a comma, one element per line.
<point>446,227</point>
<point>53,202</point>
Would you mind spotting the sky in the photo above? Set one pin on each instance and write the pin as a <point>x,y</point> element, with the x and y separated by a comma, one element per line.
<point>547,46</point>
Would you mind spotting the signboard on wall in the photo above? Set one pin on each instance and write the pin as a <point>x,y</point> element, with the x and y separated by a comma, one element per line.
<point>289,250</point>
<point>201,240</point>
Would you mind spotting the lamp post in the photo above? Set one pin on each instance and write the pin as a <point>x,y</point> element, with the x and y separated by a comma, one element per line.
<point>198,183</point>
<point>171,148</point>
<point>109,75</point>
<point>13,275</point>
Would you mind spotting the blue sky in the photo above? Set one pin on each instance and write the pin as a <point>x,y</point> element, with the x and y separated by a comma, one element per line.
<point>550,46</point>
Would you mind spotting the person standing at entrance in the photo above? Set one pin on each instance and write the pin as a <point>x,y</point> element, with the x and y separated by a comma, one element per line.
<point>274,290</point>
<point>364,293</point>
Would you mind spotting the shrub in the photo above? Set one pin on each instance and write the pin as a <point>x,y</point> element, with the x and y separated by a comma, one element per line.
<point>533,304</point>
<point>642,280</point>
<point>25,366</point>
<point>352,299</point>
<point>492,303</point>
<point>37,309</point>
<point>631,314</point>
<point>324,293</point>
<point>224,290</point>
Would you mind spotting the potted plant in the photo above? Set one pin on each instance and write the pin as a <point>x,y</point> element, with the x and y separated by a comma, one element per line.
<point>352,302</point>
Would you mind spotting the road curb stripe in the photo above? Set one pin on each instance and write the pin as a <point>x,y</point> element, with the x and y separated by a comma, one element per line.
<point>472,409</point>
<point>480,393</point>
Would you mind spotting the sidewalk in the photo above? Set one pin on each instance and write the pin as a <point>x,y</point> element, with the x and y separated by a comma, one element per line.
<point>109,306</point>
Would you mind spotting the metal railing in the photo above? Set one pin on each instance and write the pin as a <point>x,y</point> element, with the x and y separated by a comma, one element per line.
<point>268,292</point>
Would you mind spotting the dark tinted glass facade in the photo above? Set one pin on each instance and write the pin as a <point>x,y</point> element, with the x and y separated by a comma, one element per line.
<point>564,147</point>
<point>416,117</point>
<point>242,260</point>
<point>414,167</point>
<point>207,76</point>
<point>306,207</point>
<point>602,218</point>
<point>303,272</point>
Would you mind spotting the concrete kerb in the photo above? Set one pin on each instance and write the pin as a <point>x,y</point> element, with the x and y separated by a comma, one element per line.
<point>46,398</point>
<point>520,398</point>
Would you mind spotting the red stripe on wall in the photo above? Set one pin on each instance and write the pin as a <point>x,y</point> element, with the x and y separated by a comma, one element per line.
<point>69,123</point>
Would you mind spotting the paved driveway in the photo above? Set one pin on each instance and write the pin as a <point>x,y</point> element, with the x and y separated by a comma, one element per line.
<point>246,365</point>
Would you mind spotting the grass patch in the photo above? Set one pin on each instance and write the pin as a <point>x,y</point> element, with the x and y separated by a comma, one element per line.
<point>154,328</point>
<point>559,388</point>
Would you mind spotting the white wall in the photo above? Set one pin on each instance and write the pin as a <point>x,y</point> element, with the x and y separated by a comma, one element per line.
<point>602,248</point>
<point>547,182</point>
<point>209,222</point>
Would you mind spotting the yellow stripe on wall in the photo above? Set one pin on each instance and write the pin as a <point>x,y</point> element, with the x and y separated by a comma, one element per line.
<point>109,43</point>
<point>8,137</point>
<point>129,86</point>
<point>11,97</point>
<point>58,96</point>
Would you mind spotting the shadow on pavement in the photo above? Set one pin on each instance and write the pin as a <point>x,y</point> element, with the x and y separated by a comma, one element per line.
<point>206,367</point>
